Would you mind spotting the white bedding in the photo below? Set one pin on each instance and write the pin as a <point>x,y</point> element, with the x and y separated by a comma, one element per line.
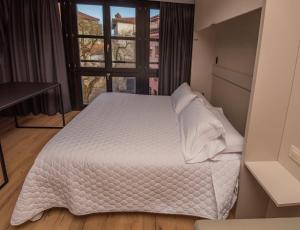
<point>123,153</point>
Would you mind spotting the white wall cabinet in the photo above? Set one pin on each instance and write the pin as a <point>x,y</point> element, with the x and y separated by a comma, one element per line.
<point>273,117</point>
<point>268,128</point>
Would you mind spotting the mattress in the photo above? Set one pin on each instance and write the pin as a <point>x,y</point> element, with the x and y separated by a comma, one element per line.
<point>122,153</point>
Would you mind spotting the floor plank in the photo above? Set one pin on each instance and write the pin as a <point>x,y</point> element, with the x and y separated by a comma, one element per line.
<point>95,222</point>
<point>21,146</point>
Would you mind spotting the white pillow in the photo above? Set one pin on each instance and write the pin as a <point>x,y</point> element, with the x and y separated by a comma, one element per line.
<point>234,140</point>
<point>181,97</point>
<point>203,99</point>
<point>202,134</point>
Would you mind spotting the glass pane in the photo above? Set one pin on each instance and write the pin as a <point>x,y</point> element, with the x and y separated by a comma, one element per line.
<point>154,66</point>
<point>91,52</point>
<point>122,21</point>
<point>153,85</point>
<point>154,23</point>
<point>123,65</point>
<point>124,84</point>
<point>123,53</point>
<point>89,19</point>
<point>92,64</point>
<point>92,86</point>
<point>154,54</point>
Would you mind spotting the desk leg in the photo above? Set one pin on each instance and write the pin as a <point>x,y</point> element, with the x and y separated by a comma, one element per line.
<point>4,172</point>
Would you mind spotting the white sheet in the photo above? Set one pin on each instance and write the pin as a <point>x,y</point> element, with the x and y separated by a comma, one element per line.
<point>123,153</point>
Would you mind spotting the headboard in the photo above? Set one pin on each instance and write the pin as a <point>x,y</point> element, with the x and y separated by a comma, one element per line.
<point>231,91</point>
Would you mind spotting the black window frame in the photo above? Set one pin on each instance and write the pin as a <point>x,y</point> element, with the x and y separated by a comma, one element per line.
<point>142,72</point>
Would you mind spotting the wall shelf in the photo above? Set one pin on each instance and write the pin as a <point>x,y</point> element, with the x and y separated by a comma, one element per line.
<point>282,187</point>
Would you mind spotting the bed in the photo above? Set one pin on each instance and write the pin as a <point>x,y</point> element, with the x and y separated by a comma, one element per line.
<point>122,153</point>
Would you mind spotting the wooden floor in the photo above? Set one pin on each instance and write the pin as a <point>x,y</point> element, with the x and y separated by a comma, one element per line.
<point>21,147</point>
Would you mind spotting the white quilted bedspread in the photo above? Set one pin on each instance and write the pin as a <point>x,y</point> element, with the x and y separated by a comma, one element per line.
<point>123,154</point>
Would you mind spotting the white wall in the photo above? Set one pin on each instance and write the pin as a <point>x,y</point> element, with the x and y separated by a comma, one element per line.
<point>209,12</point>
<point>236,45</point>
<point>233,41</point>
<point>203,60</point>
<point>236,42</point>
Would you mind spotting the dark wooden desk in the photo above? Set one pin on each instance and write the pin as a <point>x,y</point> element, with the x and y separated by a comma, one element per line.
<point>12,94</point>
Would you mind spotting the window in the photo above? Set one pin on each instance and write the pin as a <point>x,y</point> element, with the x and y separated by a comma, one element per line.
<point>153,85</point>
<point>123,53</point>
<point>114,47</point>
<point>90,35</point>
<point>124,84</point>
<point>154,39</point>
<point>92,86</point>
<point>123,32</point>
<point>154,51</point>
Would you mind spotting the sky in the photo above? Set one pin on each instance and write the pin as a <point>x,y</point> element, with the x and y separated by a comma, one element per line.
<point>125,12</point>
<point>154,12</point>
<point>97,11</point>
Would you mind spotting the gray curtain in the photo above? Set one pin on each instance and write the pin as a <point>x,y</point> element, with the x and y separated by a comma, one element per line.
<point>5,73</point>
<point>35,52</point>
<point>176,44</point>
